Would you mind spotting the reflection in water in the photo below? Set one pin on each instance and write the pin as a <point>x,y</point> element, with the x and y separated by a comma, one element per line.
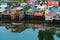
<point>39,30</point>
<point>58,35</point>
<point>17,28</point>
<point>46,35</point>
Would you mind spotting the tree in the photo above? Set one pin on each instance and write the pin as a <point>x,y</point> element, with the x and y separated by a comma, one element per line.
<point>46,35</point>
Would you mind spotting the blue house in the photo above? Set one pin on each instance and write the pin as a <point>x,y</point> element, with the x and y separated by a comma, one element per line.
<point>3,6</point>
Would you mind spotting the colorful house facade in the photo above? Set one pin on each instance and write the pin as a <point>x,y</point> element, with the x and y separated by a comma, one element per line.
<point>53,3</point>
<point>31,3</point>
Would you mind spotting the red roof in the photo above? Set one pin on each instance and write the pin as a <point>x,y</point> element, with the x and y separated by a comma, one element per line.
<point>50,14</point>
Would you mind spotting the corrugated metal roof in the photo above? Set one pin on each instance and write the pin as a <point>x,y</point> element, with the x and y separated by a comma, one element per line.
<point>18,8</point>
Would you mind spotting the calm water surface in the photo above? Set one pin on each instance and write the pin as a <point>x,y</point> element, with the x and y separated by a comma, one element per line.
<point>29,30</point>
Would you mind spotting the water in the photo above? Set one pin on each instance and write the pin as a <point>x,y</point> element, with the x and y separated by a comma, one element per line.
<point>29,30</point>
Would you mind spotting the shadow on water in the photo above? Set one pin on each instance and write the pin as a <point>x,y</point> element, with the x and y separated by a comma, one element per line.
<point>28,24</point>
<point>46,31</point>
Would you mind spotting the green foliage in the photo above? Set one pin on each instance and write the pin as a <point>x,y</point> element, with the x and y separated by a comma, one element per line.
<point>19,0</point>
<point>46,35</point>
<point>16,0</point>
<point>25,0</point>
<point>12,0</point>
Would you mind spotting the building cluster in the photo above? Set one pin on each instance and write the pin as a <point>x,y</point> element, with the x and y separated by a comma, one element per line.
<point>49,9</point>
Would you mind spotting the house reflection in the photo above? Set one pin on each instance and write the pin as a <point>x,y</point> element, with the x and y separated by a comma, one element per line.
<point>20,27</point>
<point>17,27</point>
<point>34,25</point>
<point>12,26</point>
